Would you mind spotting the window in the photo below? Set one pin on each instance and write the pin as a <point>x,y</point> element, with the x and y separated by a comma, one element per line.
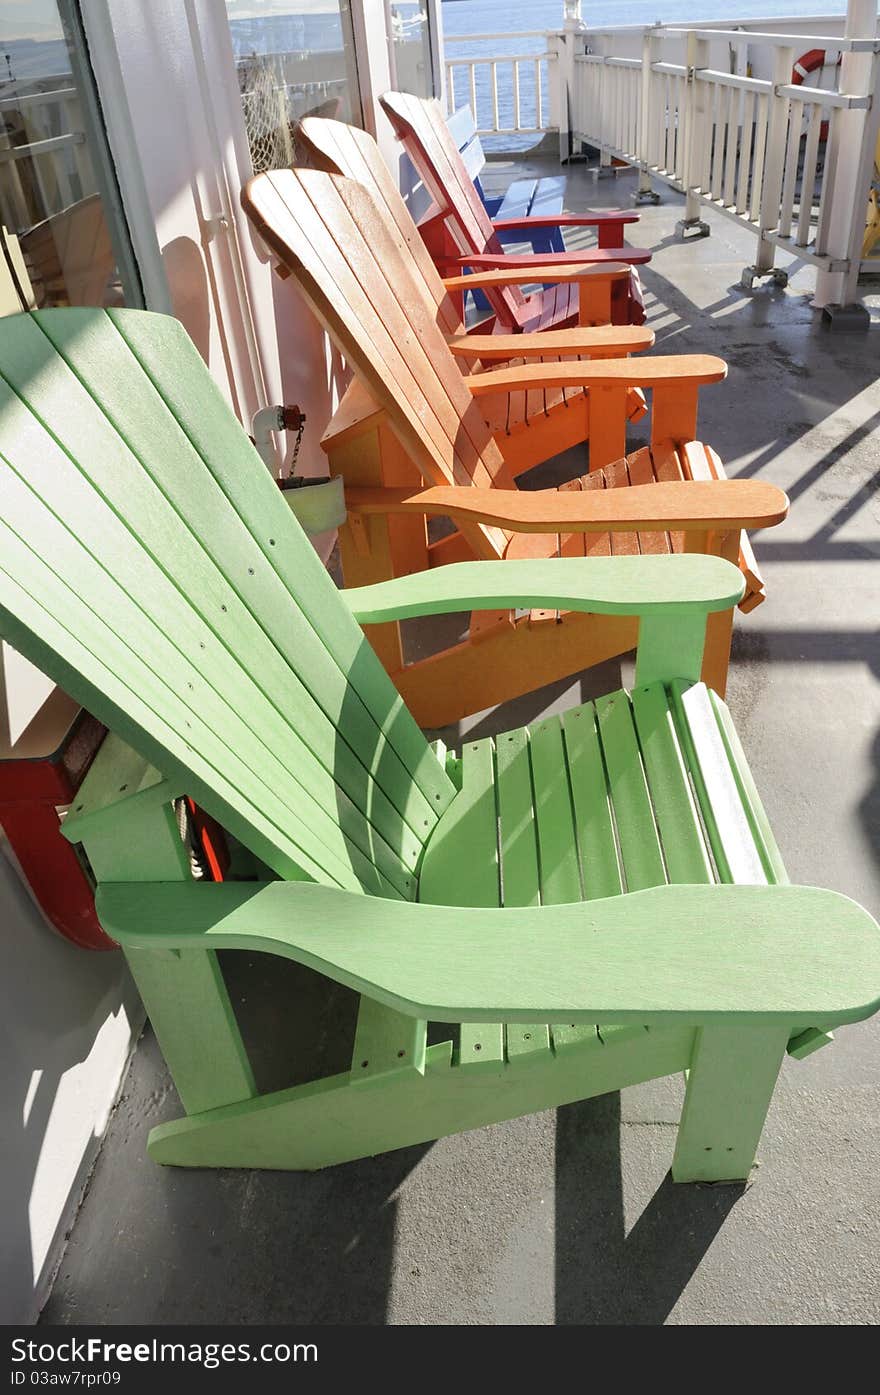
<point>295,58</point>
<point>409,28</point>
<point>62,237</point>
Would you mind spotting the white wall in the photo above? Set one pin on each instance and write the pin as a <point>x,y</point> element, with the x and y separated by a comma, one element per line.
<point>175,124</point>
<point>67,1022</point>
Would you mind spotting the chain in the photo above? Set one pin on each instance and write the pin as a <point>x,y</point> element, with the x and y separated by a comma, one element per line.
<point>298,442</point>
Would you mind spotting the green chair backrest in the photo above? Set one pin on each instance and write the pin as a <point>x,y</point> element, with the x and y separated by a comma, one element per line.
<point>149,565</point>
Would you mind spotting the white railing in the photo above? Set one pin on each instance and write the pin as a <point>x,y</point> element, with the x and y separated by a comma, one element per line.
<point>790,162</point>
<point>45,164</point>
<point>510,94</point>
<point>742,145</point>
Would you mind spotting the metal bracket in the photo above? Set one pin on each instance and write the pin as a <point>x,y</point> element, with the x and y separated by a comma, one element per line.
<point>645,196</point>
<point>215,226</point>
<point>853,317</point>
<point>751,274</point>
<point>691,229</point>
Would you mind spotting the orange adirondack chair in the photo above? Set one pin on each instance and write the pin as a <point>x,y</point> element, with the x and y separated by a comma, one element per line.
<point>462,230</point>
<point>70,255</point>
<point>336,148</point>
<point>351,152</point>
<point>413,417</point>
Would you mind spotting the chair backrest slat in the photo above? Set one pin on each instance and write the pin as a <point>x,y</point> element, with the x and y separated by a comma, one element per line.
<point>336,148</point>
<point>419,122</point>
<point>174,594</point>
<point>463,131</point>
<point>359,278</point>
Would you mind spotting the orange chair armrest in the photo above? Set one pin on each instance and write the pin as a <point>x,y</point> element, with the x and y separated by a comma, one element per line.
<point>680,506</point>
<point>623,372</point>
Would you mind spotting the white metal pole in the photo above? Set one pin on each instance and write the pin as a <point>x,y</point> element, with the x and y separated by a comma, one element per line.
<point>646,193</point>
<point>572,25</point>
<point>774,165</point>
<point>438,67</point>
<point>848,162</point>
<point>695,134</point>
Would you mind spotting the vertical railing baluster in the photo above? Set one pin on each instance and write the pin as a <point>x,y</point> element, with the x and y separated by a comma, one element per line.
<point>808,177</point>
<point>761,122</point>
<point>821,243</point>
<point>733,127</point>
<point>789,178</point>
<point>745,152</point>
<point>771,185</point>
<point>709,146</point>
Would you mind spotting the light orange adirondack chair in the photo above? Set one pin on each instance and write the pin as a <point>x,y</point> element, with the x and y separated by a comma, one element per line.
<point>462,225</point>
<point>414,418</point>
<point>70,255</point>
<point>337,148</point>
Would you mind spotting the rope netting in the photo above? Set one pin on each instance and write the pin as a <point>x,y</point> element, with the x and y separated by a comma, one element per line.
<point>265,103</point>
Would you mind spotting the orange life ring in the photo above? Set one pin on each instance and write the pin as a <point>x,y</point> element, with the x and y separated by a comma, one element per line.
<point>811,62</point>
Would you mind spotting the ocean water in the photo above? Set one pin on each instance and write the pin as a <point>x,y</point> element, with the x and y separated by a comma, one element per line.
<point>491,16</point>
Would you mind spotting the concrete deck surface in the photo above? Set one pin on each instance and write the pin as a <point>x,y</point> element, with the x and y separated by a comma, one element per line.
<point>570,1217</point>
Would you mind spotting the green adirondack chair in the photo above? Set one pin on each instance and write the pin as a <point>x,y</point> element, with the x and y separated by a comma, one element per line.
<point>575,907</point>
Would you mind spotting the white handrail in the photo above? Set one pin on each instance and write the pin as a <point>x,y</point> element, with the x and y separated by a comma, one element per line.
<point>837,42</point>
<point>493,38</point>
<point>753,148</point>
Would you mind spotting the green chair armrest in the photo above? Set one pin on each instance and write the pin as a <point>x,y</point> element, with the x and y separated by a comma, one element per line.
<point>643,586</point>
<point>692,955</point>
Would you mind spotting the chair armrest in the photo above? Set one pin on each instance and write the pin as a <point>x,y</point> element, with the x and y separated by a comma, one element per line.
<point>564,220</point>
<point>679,506</point>
<point>689,955</point>
<point>660,371</point>
<point>599,585</point>
<point>523,260</point>
<point>598,339</point>
<point>504,274</point>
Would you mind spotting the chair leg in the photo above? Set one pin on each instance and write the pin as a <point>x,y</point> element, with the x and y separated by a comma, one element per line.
<point>719,627</point>
<point>730,1084</point>
<point>183,991</point>
<point>189,1009</point>
<point>716,655</point>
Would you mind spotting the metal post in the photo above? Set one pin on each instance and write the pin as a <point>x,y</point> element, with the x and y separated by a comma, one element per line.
<point>692,226</point>
<point>573,25</point>
<point>849,160</point>
<point>774,165</point>
<point>435,35</point>
<point>646,193</point>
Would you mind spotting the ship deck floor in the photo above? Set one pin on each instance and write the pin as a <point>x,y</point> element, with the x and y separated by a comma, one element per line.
<point>570,1217</point>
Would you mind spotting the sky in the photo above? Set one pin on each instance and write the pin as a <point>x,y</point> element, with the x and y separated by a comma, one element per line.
<point>29,19</point>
